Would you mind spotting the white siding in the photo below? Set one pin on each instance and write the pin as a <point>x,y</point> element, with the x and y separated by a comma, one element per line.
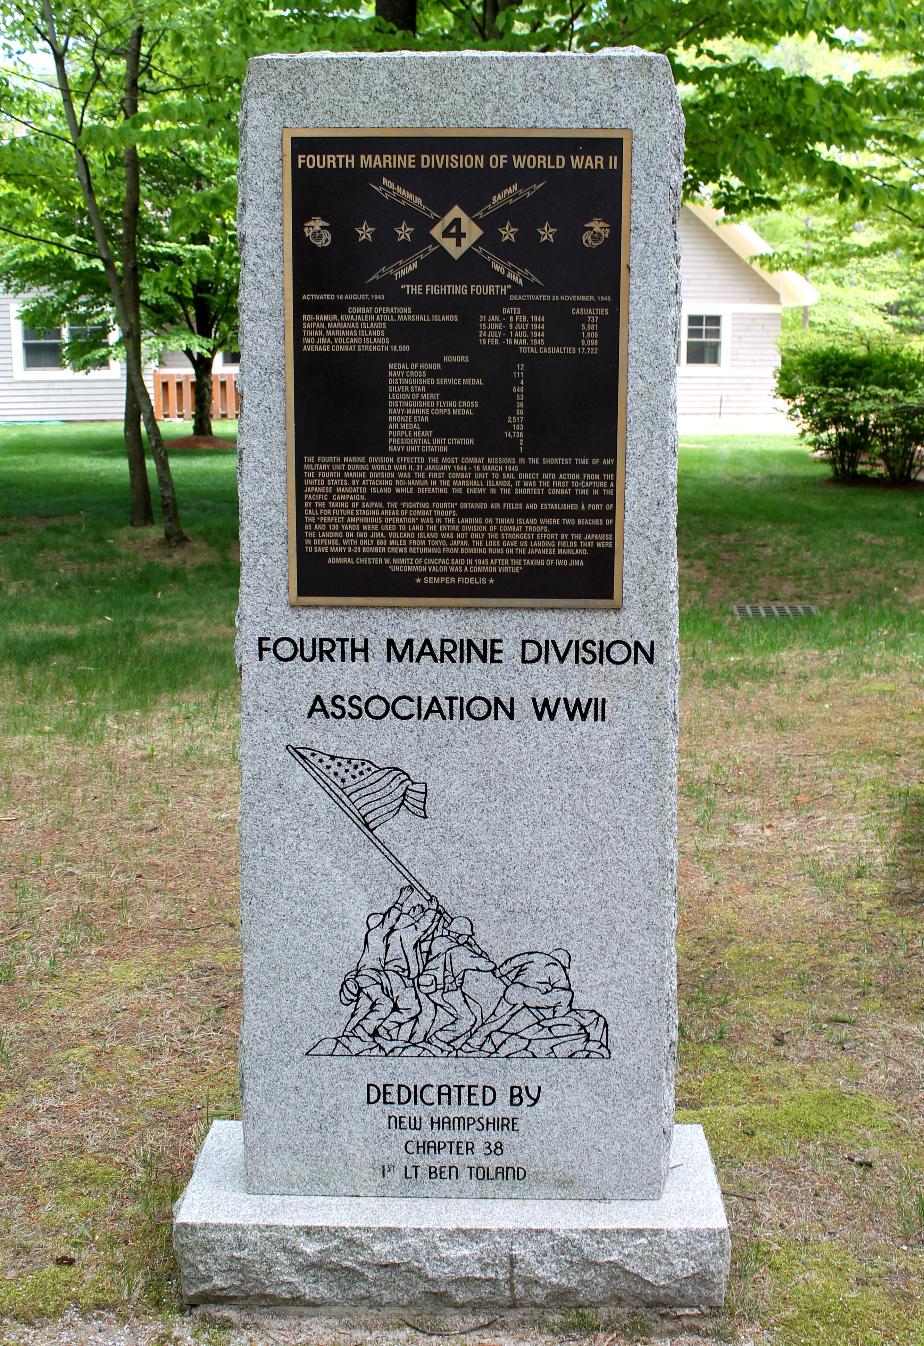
<point>174,360</point>
<point>754,338</point>
<point>738,394</point>
<point>712,272</point>
<point>53,396</point>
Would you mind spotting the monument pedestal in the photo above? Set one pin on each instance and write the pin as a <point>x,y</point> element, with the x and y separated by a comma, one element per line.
<point>422,1254</point>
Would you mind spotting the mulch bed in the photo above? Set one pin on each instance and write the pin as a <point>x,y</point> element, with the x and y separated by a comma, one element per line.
<point>197,442</point>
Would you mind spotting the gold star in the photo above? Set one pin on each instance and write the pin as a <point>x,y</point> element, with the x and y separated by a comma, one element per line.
<point>365,231</point>
<point>404,231</point>
<point>509,232</point>
<point>547,233</point>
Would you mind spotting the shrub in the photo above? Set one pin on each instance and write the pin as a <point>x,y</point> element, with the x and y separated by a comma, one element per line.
<point>858,407</point>
<point>900,437</point>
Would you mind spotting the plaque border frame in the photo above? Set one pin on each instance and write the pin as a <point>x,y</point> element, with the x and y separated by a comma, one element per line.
<point>300,600</point>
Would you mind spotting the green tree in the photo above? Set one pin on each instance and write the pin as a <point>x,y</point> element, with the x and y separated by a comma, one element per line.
<point>47,248</point>
<point>753,126</point>
<point>121,177</point>
<point>98,59</point>
<point>188,256</point>
<point>867,252</point>
<point>179,227</point>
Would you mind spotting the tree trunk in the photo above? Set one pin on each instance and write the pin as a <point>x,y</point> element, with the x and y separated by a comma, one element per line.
<point>131,292</point>
<point>129,320</point>
<point>139,488</point>
<point>401,13</point>
<point>202,388</point>
<point>490,11</point>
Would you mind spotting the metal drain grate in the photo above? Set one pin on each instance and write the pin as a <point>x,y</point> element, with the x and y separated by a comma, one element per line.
<point>774,609</point>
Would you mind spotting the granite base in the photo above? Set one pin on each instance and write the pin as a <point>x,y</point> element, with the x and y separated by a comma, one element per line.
<point>234,1247</point>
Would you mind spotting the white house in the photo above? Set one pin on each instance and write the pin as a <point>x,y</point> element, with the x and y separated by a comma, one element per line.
<point>730,327</point>
<point>732,315</point>
<point>36,385</point>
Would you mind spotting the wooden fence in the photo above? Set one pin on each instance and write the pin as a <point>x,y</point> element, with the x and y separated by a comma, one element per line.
<point>175,396</point>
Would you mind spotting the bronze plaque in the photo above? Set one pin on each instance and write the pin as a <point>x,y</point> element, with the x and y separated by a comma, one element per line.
<point>455,365</point>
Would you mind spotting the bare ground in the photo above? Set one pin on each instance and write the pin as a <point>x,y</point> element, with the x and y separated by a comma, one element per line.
<point>800,962</point>
<point>266,1329</point>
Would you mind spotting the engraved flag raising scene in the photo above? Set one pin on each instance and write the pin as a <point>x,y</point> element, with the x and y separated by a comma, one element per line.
<point>416,988</point>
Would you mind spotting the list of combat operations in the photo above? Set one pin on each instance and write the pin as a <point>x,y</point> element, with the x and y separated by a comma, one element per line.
<point>456,425</point>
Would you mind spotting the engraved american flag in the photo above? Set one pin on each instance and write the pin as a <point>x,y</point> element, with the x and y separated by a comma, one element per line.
<point>376,793</point>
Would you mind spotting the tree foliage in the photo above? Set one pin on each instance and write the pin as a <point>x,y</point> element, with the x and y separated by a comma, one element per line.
<point>186,253</point>
<point>98,61</point>
<point>120,186</point>
<point>759,130</point>
<point>867,252</point>
<point>753,126</point>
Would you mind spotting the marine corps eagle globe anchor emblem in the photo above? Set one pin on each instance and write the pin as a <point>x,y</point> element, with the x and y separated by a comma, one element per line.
<point>317,231</point>
<point>596,231</point>
<point>421,984</point>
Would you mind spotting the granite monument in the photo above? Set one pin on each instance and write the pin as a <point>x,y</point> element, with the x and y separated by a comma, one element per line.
<point>458,646</point>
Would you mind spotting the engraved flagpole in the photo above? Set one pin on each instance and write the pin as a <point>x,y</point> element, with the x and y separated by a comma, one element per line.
<point>355,816</point>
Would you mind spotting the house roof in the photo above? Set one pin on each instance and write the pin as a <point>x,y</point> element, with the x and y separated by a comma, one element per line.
<point>794,290</point>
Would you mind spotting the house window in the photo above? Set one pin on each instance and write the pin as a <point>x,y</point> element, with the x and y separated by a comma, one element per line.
<point>230,358</point>
<point>704,339</point>
<point>98,333</point>
<point>41,348</point>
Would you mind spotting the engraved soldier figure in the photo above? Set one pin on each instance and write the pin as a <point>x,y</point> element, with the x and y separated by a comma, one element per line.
<point>538,988</point>
<point>422,985</point>
<point>370,988</point>
<point>417,917</point>
<point>447,1014</point>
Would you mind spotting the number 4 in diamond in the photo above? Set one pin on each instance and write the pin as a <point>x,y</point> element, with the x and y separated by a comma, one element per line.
<point>456,231</point>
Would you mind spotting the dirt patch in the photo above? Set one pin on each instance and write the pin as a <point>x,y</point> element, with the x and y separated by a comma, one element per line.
<point>21,523</point>
<point>149,544</point>
<point>236,1328</point>
<point>186,443</point>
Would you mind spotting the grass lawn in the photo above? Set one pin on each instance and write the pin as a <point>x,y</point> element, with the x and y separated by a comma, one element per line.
<point>801,880</point>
